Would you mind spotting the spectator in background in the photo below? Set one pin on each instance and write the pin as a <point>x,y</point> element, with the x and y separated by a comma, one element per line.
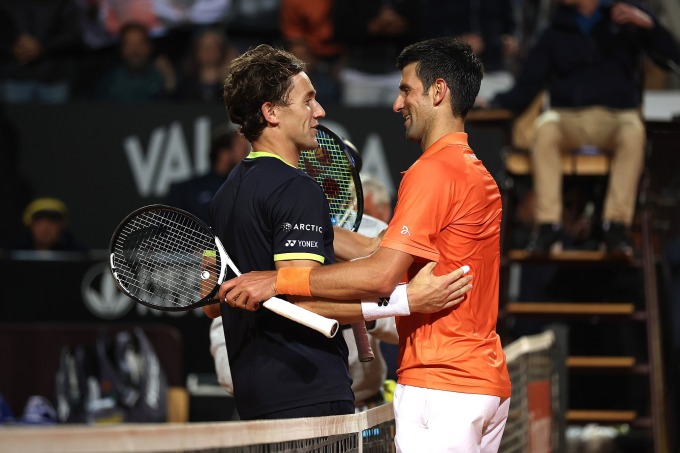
<point>101,24</point>
<point>377,200</point>
<point>227,148</point>
<point>137,77</point>
<point>374,32</point>
<point>184,20</point>
<point>307,29</point>
<point>38,40</point>
<point>589,61</point>
<point>487,26</point>
<point>47,223</point>
<point>206,68</point>
<point>116,14</point>
<point>170,23</point>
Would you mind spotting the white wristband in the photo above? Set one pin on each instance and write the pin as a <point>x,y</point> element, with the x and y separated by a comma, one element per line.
<point>396,305</point>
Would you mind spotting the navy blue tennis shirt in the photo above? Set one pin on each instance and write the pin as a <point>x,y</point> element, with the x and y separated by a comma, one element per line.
<point>267,211</point>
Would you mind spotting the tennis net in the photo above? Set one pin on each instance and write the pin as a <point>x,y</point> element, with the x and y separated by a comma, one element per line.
<point>366,432</point>
<point>534,421</point>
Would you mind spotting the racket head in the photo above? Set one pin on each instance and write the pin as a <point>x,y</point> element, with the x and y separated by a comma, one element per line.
<point>166,259</point>
<point>333,167</point>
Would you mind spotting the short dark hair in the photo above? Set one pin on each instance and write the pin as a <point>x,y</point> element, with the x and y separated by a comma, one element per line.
<point>261,74</point>
<point>452,60</point>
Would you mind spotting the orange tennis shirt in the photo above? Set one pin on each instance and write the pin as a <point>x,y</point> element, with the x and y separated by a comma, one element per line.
<point>449,211</point>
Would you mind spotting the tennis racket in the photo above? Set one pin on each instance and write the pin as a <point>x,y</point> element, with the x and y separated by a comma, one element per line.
<point>169,260</point>
<point>333,166</point>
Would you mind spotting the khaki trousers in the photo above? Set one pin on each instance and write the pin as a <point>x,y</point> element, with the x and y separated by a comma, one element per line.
<point>620,133</point>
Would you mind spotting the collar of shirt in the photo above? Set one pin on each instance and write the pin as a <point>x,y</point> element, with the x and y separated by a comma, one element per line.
<point>256,154</point>
<point>454,138</point>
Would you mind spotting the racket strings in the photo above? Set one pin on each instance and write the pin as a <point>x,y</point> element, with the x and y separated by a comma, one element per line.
<point>329,166</point>
<point>163,275</point>
<point>160,255</point>
<point>155,270</point>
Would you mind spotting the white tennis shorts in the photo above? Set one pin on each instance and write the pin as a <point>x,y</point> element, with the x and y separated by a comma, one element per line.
<point>438,421</point>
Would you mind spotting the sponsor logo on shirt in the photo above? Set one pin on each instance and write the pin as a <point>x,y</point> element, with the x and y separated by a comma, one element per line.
<point>307,227</point>
<point>301,227</point>
<point>299,243</point>
<point>404,230</point>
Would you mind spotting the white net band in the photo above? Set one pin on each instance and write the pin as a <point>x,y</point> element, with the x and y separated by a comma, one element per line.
<point>372,430</point>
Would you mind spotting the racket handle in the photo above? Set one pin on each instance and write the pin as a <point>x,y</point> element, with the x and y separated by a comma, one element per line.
<point>328,327</point>
<point>363,345</point>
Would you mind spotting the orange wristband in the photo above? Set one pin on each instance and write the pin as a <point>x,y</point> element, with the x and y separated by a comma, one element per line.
<point>293,281</point>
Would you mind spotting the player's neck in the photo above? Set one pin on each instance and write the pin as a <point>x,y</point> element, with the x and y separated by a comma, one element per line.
<point>440,128</point>
<point>287,153</point>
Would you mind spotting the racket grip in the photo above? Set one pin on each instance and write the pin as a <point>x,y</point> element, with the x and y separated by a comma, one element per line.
<point>363,345</point>
<point>328,327</point>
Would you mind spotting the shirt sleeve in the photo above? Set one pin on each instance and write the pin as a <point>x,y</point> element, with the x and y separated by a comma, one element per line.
<point>297,218</point>
<point>423,209</point>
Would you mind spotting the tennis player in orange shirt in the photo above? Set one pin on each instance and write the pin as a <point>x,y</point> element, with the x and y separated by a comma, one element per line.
<point>453,392</point>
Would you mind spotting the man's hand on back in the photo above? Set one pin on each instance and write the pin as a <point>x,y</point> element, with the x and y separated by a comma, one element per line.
<point>428,293</point>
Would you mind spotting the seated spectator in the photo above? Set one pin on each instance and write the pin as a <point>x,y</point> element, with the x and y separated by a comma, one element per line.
<point>307,29</point>
<point>595,99</point>
<point>46,220</point>
<point>374,32</point>
<point>38,40</point>
<point>137,77</point>
<point>206,68</point>
<point>227,148</point>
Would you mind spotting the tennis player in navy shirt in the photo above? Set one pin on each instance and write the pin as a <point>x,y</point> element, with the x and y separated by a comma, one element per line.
<point>270,214</point>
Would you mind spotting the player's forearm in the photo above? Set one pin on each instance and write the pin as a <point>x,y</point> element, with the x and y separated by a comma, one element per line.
<point>344,312</point>
<point>372,276</point>
<point>349,245</point>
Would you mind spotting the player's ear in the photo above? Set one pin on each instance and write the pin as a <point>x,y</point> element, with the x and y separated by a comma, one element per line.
<point>439,91</point>
<point>270,113</point>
